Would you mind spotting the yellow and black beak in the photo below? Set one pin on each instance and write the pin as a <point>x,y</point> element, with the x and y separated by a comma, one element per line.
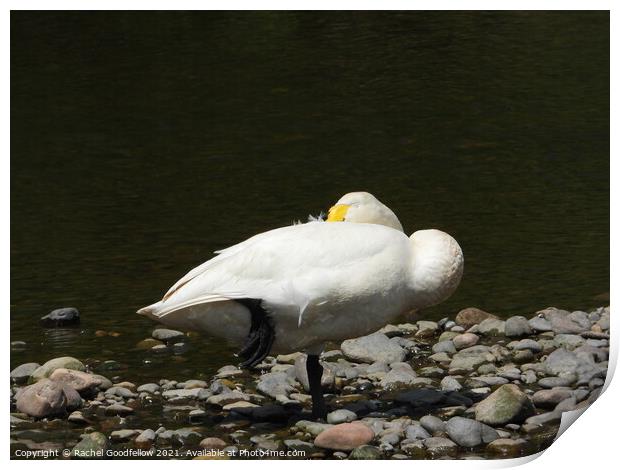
<point>337,213</point>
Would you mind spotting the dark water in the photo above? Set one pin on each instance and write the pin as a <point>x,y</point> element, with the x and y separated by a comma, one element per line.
<point>141,142</point>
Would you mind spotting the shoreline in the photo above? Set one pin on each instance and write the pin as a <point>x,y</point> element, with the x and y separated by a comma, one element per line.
<point>472,386</point>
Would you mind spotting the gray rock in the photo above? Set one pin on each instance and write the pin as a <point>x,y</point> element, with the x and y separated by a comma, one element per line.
<point>469,433</point>
<point>526,344</point>
<point>561,362</point>
<point>122,435</point>
<point>569,341</point>
<point>77,417</point>
<point>450,384</point>
<point>341,416</point>
<point>366,452</point>
<point>167,336</point>
<point>561,322</point>
<point>432,424</point>
<point>539,323</point>
<point>550,398</point>
<point>227,397</point>
<point>42,399</point>
<point>299,445</point>
<point>401,375</point>
<point>440,446</point>
<point>416,431</point>
<point>120,392</point>
<point>471,316</point>
<point>444,346</point>
<point>491,327</point>
<point>373,348</point>
<point>465,364</point>
<point>544,418</point>
<point>58,363</point>
<point>118,410</point>
<point>517,326</point>
<point>150,388</point>
<point>311,427</point>
<point>426,328</point>
<point>61,317</point>
<point>188,393</point>
<point>274,384</point>
<point>505,405</point>
<point>79,381</point>
<point>146,437</point>
<point>22,373</point>
<point>552,382</point>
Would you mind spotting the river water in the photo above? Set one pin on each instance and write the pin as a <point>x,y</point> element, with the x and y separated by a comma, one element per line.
<point>142,142</point>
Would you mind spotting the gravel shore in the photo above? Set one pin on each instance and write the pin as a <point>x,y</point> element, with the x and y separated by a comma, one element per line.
<point>472,386</point>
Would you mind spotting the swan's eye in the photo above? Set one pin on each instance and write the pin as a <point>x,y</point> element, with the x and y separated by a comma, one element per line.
<point>337,213</point>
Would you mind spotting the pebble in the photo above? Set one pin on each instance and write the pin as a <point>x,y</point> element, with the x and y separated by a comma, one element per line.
<point>506,447</point>
<point>469,433</point>
<point>440,446</point>
<point>92,445</point>
<point>166,335</point>
<point>341,416</point>
<point>213,443</point>
<point>491,327</point>
<point>517,326</point>
<point>148,388</point>
<point>373,348</point>
<point>465,340</point>
<point>505,405</point>
<point>50,366</point>
<point>366,452</point>
<point>416,431</point>
<point>432,424</point>
<point>145,438</point>
<point>61,317</point>
<point>22,373</point>
<point>118,410</point>
<point>471,316</point>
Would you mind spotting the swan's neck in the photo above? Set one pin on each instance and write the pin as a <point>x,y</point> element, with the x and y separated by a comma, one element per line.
<point>437,267</point>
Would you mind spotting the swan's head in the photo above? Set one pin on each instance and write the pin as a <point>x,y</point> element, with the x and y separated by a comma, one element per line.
<point>362,207</point>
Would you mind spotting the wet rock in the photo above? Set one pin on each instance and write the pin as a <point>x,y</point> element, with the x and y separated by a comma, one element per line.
<point>311,427</point>
<point>491,327</point>
<point>507,404</point>
<point>426,329</point>
<point>150,388</point>
<point>122,435</point>
<point>366,452</point>
<point>228,372</point>
<point>414,449</point>
<point>118,410</point>
<point>469,433</point>
<point>544,418</point>
<point>517,326</point>
<point>506,447</point>
<point>120,392</point>
<point>239,404</point>
<point>299,445</point>
<point>373,348</point>
<point>186,436</point>
<point>540,324</point>
<point>58,363</point>
<point>77,417</point>
<point>450,384</point>
<point>61,317</point>
<point>466,364</point>
<point>440,446</point>
<point>93,446</point>
<point>213,443</point>
<point>22,373</point>
<point>167,336</point>
<point>471,316</point>
<point>18,345</point>
<point>346,436</point>
<point>188,393</point>
<point>341,416</point>
<point>465,340</point>
<point>81,382</point>
<point>227,397</point>
<point>42,399</point>
<point>148,343</point>
<point>401,375</point>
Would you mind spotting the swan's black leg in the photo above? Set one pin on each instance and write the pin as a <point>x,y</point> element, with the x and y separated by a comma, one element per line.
<point>315,373</point>
<point>261,335</point>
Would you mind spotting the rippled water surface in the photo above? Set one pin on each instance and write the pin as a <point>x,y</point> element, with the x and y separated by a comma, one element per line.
<point>141,142</point>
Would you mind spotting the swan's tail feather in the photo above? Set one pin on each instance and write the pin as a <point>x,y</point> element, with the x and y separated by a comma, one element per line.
<point>163,307</point>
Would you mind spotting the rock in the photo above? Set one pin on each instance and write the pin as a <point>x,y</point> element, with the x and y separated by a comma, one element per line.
<point>465,340</point>
<point>432,424</point>
<point>416,431</point>
<point>93,446</point>
<point>188,435</point>
<point>401,375</point>
<point>22,373</point>
<point>552,382</point>
<point>81,382</point>
<point>228,371</point>
<point>189,393</point>
<point>77,417</point>
<point>373,348</point>
<point>526,344</point>
<point>120,392</point>
<point>148,343</point>
<point>346,436</point>
<point>227,397</point>
<point>167,336</point>
<point>341,416</point>
<point>118,410</point>
<point>465,364</point>
<point>569,341</point>
<point>540,324</point>
<point>550,398</point>
<point>440,446</point>
<point>311,427</point>
<point>148,388</point>
<point>145,438</point>
<point>73,398</point>
<point>58,363</point>
<point>327,379</point>
<point>426,329</point>
<point>506,447</point>
<point>444,346</point>
<point>491,327</point>
<point>561,321</point>
<point>239,404</point>
<point>469,433</point>
<point>561,362</point>
<point>450,384</point>
<point>18,345</point>
<point>505,405</point>
<point>42,399</point>
<point>544,418</point>
<point>61,317</point>
<point>517,326</point>
<point>299,445</point>
<point>366,452</point>
<point>274,384</point>
<point>471,316</point>
<point>213,443</point>
<point>122,435</point>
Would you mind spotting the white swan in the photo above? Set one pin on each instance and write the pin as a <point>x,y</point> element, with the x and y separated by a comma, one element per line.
<point>296,287</point>
<point>363,207</point>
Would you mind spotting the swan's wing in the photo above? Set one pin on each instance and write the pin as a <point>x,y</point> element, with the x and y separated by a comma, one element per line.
<point>291,266</point>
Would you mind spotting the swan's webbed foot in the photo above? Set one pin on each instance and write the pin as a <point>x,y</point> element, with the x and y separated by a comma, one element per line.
<point>261,335</point>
